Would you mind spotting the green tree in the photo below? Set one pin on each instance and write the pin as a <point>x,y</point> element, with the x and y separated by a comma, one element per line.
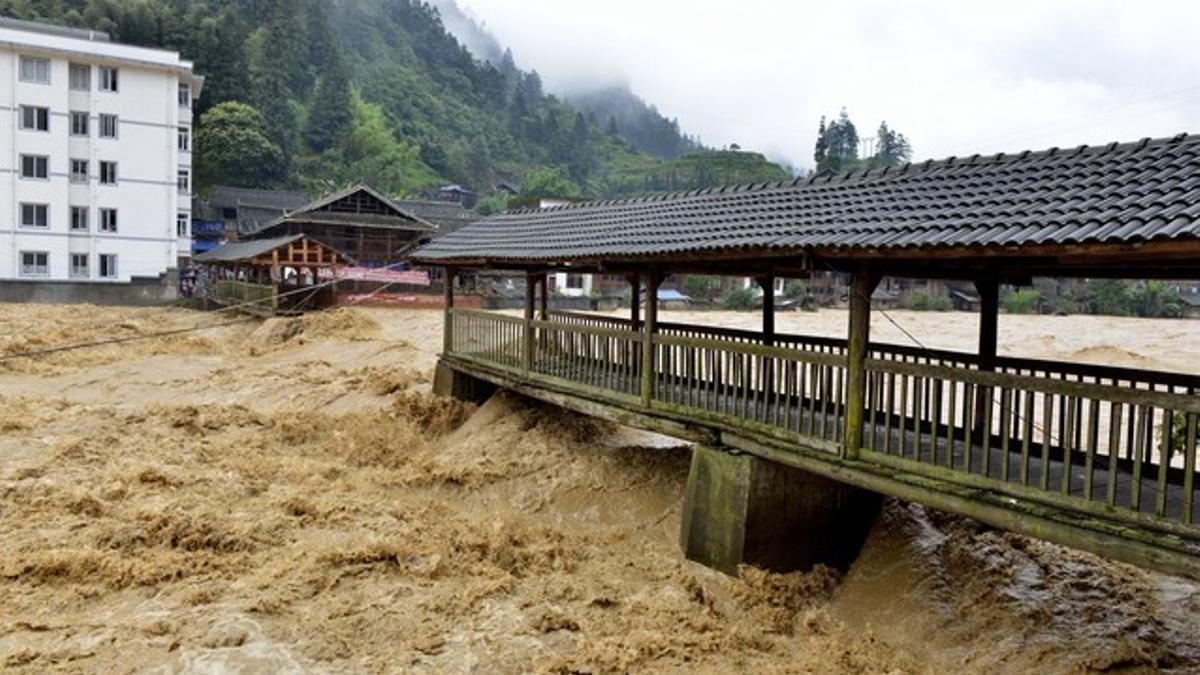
<point>497,202</point>
<point>330,115</point>
<point>1021,302</point>
<point>232,147</point>
<point>547,184</point>
<point>893,149</point>
<point>1154,300</point>
<point>1108,296</point>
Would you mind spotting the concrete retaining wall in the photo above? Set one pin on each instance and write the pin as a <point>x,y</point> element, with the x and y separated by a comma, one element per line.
<point>140,292</point>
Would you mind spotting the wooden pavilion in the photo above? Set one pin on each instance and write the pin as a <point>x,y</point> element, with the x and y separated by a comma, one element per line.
<point>1096,457</point>
<point>269,276</point>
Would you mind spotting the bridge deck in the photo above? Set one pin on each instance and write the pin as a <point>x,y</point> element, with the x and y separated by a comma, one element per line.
<point>1109,454</point>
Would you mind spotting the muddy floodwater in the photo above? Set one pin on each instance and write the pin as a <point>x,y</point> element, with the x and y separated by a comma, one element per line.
<point>287,496</point>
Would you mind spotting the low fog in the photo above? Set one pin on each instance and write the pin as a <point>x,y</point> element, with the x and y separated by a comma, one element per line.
<point>956,77</point>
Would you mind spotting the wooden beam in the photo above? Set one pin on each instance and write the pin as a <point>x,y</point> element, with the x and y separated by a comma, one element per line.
<point>862,286</point>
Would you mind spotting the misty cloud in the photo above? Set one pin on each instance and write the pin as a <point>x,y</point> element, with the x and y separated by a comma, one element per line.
<point>956,77</point>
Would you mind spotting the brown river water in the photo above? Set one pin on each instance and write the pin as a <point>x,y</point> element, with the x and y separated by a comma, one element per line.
<point>288,497</point>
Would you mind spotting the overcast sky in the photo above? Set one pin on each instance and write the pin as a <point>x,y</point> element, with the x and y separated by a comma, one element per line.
<point>957,77</point>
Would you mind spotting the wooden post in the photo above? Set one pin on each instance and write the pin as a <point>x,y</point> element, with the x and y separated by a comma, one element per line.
<point>861,287</point>
<point>544,296</point>
<point>989,310</point>
<point>767,283</point>
<point>448,304</point>
<point>649,326</point>
<point>635,299</point>
<point>988,288</point>
<point>527,343</point>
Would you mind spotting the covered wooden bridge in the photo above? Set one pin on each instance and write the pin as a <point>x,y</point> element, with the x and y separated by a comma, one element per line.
<point>799,433</point>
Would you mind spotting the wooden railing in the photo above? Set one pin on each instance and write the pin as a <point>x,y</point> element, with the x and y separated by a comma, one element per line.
<point>260,297</point>
<point>1116,442</point>
<point>496,338</point>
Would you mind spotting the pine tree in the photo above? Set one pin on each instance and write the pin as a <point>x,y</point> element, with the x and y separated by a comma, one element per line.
<point>822,148</point>
<point>330,115</point>
<point>894,148</point>
<point>612,129</point>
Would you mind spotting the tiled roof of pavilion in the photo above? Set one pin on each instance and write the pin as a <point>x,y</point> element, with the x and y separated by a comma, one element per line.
<point>1115,193</point>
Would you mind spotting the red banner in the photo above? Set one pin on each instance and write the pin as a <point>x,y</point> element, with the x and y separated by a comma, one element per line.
<point>378,274</point>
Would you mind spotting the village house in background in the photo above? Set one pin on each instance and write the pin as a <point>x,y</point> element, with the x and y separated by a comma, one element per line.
<point>98,144</point>
<point>227,212</point>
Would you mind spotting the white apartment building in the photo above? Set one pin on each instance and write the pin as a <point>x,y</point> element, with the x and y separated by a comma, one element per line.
<point>95,155</point>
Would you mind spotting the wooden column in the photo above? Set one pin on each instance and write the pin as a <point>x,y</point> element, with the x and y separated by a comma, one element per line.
<point>649,326</point>
<point>448,303</point>
<point>989,312</point>
<point>767,283</point>
<point>988,288</point>
<point>635,299</point>
<point>861,287</point>
<point>544,296</point>
<point>527,343</point>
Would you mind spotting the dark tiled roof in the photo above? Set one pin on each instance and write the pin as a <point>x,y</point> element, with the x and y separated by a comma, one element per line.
<point>324,211</point>
<point>224,196</point>
<point>245,250</point>
<point>1115,193</point>
<point>448,216</point>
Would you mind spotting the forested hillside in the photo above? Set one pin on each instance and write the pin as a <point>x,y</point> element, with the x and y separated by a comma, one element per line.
<point>321,93</point>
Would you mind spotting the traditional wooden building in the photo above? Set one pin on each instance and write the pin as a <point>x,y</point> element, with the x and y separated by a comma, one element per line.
<point>800,434</point>
<point>358,223</point>
<point>280,275</point>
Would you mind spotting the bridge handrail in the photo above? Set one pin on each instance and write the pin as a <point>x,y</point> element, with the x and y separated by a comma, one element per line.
<point>1137,377</point>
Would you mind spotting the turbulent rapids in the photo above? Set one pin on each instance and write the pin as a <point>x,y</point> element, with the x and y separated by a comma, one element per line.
<point>289,495</point>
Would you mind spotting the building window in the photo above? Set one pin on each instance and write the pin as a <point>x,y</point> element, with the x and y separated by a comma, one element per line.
<point>108,126</point>
<point>79,218</point>
<point>35,215</point>
<point>108,220</point>
<point>108,266</point>
<point>79,123</point>
<point>182,221</point>
<point>35,118</point>
<point>35,70</point>
<point>35,264</point>
<point>35,166</point>
<point>79,266</point>
<point>81,77</point>
<point>184,181</point>
<point>79,171</point>
<point>185,139</point>
<point>108,173</point>
<point>575,281</point>
<point>108,79</point>
<point>185,96</point>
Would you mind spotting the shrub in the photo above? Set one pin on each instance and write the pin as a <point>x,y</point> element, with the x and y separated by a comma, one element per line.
<point>923,302</point>
<point>1021,302</point>
<point>698,287</point>
<point>740,300</point>
<point>795,290</point>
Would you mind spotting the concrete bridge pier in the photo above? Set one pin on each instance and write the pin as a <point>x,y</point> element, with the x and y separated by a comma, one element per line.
<point>740,509</point>
<point>456,384</point>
